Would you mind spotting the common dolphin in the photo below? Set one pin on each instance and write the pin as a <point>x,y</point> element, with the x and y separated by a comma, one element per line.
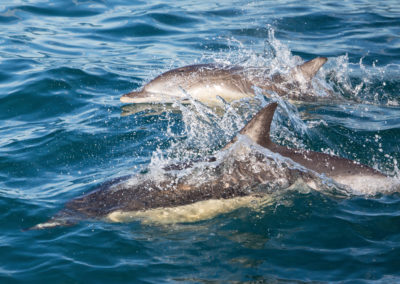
<point>231,175</point>
<point>208,83</point>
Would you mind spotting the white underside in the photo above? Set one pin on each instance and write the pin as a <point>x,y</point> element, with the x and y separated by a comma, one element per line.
<point>198,211</point>
<point>207,94</point>
<point>369,185</point>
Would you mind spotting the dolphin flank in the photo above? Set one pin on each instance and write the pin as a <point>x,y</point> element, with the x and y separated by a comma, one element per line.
<point>207,82</point>
<point>236,177</point>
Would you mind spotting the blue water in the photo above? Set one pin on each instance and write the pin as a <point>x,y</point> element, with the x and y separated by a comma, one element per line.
<point>65,64</point>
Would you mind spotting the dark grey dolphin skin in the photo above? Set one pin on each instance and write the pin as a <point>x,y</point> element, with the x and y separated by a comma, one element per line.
<point>207,82</point>
<point>334,167</point>
<point>228,179</point>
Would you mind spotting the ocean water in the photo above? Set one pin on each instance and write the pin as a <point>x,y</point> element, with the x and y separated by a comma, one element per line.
<point>63,131</point>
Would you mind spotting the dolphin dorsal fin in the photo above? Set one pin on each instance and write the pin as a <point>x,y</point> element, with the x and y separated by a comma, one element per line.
<point>311,67</point>
<point>259,126</point>
<point>257,129</point>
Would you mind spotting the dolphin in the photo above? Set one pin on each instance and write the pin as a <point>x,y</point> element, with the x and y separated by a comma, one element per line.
<point>208,83</point>
<point>236,174</point>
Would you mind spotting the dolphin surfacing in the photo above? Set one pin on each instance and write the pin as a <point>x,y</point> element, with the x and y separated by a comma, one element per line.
<point>207,82</point>
<point>236,174</point>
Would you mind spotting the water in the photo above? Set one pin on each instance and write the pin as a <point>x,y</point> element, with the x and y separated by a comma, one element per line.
<point>64,65</point>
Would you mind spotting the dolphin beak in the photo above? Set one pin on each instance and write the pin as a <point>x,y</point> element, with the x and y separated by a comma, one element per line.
<point>129,98</point>
<point>138,97</point>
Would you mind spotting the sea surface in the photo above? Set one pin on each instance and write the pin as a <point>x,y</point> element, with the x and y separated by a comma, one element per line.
<point>63,131</point>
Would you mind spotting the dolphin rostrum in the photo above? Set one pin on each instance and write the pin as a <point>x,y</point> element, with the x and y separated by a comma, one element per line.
<point>236,174</point>
<point>208,83</point>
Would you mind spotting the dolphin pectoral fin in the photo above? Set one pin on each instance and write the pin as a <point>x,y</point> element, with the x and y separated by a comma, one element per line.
<point>311,67</point>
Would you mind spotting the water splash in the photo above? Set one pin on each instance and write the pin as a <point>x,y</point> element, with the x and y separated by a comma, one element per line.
<point>371,84</point>
<point>205,129</point>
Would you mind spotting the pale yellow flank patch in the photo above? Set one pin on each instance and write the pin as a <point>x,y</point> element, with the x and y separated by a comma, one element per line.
<point>198,211</point>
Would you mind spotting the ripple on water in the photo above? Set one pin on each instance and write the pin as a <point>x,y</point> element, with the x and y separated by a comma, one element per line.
<point>63,67</point>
